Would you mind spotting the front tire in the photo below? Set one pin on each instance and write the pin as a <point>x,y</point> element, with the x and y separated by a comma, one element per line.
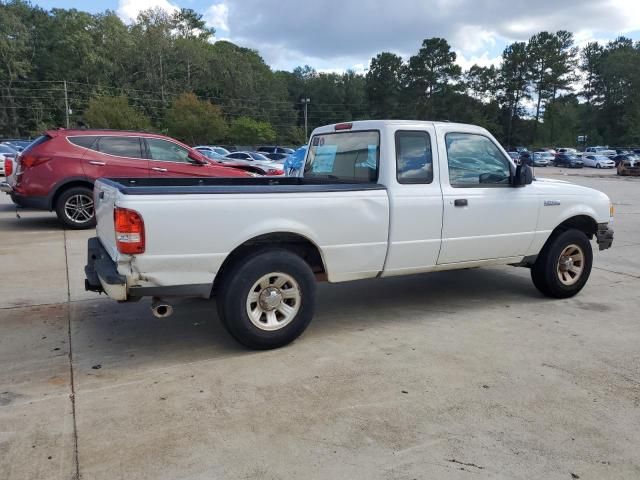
<point>267,299</point>
<point>75,208</point>
<point>598,165</point>
<point>564,265</point>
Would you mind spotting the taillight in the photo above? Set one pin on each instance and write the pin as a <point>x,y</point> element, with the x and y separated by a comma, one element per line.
<point>343,126</point>
<point>28,161</point>
<point>129,228</point>
<point>8,167</point>
<point>273,171</point>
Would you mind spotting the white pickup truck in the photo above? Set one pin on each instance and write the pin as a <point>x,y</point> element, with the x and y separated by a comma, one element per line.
<point>378,199</point>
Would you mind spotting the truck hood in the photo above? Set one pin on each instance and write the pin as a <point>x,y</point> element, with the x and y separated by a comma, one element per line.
<point>562,187</point>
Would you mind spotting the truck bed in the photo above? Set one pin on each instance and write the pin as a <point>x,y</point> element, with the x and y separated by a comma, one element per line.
<point>217,185</point>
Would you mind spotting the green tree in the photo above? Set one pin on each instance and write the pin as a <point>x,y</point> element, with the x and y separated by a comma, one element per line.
<point>115,113</point>
<point>513,83</point>
<point>195,121</point>
<point>384,85</point>
<point>247,131</point>
<point>431,75</point>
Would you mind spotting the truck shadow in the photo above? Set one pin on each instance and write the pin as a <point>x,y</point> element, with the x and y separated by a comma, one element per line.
<point>126,338</point>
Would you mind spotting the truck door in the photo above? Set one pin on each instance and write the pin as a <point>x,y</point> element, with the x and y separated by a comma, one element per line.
<point>484,217</point>
<point>415,201</point>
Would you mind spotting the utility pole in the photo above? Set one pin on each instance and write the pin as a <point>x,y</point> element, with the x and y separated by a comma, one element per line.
<point>66,103</point>
<point>306,102</point>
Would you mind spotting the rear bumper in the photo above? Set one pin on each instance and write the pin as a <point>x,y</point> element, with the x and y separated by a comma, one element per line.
<point>604,236</point>
<point>23,201</point>
<point>102,274</point>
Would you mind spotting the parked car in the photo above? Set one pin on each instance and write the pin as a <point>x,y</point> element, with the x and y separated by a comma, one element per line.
<point>277,157</point>
<point>256,158</point>
<point>566,151</point>
<point>542,159</point>
<point>601,150</point>
<point>213,148</point>
<point>620,158</point>
<point>629,167</point>
<point>6,152</point>
<point>254,169</point>
<point>597,161</point>
<point>568,160</point>
<point>376,201</point>
<point>274,149</point>
<point>16,143</point>
<point>57,171</point>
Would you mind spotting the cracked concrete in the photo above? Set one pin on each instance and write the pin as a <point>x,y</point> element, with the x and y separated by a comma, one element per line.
<point>432,376</point>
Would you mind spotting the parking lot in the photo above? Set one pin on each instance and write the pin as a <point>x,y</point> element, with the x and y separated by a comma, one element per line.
<point>443,375</point>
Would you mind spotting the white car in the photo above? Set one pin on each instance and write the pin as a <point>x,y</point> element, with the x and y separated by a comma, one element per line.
<point>218,150</point>
<point>542,159</point>
<point>379,198</point>
<point>597,161</point>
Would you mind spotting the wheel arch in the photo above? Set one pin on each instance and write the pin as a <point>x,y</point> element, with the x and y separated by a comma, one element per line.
<point>293,242</point>
<point>66,185</point>
<point>583,222</point>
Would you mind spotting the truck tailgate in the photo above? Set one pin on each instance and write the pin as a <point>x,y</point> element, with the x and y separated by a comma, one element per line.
<point>104,199</point>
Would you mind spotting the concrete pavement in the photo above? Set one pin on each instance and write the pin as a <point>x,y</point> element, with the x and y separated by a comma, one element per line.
<point>442,375</point>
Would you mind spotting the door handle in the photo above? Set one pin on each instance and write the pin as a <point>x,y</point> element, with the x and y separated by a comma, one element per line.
<point>94,162</point>
<point>158,169</point>
<point>460,202</point>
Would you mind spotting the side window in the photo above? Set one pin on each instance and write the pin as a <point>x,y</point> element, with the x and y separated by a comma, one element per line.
<point>413,157</point>
<point>120,146</point>
<point>474,160</point>
<point>84,141</point>
<point>167,151</point>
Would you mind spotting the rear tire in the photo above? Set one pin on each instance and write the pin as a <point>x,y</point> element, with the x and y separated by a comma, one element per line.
<point>564,265</point>
<point>267,299</point>
<point>75,208</point>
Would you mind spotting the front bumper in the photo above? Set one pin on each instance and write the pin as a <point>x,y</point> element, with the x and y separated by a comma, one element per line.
<point>604,236</point>
<point>102,274</point>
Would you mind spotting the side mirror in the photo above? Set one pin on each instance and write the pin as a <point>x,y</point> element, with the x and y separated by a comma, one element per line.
<point>523,176</point>
<point>195,158</point>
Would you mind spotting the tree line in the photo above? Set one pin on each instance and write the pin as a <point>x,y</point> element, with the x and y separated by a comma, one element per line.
<point>164,72</point>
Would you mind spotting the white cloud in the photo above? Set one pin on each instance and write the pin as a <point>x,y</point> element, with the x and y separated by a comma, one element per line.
<point>128,10</point>
<point>473,38</point>
<point>217,16</point>
<point>481,60</point>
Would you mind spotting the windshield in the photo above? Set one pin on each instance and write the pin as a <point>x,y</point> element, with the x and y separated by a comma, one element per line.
<point>346,156</point>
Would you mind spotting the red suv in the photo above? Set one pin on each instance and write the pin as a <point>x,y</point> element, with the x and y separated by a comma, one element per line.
<point>57,171</point>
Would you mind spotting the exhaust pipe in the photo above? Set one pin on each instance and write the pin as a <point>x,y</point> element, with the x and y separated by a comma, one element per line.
<point>160,309</point>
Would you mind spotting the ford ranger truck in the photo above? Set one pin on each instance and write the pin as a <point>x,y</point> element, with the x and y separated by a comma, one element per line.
<point>378,199</point>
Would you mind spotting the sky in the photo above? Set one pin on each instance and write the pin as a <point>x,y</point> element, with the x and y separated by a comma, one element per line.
<point>336,35</point>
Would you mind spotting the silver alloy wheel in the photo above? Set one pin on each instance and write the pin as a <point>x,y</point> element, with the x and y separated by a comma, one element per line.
<point>570,265</point>
<point>273,301</point>
<point>79,208</point>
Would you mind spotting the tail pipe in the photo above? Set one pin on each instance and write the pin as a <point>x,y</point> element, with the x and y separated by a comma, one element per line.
<point>160,308</point>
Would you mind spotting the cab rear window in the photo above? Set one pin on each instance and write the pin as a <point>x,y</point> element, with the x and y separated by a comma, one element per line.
<point>344,156</point>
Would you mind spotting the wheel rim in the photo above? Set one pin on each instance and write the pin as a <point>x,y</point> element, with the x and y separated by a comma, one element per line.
<point>79,208</point>
<point>273,301</point>
<point>570,265</point>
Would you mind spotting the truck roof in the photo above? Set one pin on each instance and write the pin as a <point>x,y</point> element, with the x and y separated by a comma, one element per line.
<point>379,124</point>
